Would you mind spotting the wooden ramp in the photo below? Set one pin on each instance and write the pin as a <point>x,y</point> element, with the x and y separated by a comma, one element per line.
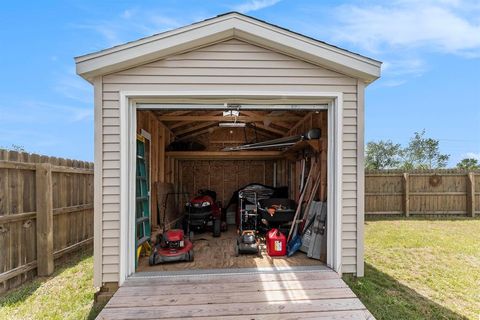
<point>298,293</point>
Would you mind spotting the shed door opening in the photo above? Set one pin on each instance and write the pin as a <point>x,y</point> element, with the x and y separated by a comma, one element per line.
<point>188,154</point>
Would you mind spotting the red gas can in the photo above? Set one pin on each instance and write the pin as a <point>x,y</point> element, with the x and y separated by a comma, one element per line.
<point>276,243</point>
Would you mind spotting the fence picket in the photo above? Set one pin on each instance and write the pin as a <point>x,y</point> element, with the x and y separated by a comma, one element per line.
<point>420,192</point>
<point>23,250</point>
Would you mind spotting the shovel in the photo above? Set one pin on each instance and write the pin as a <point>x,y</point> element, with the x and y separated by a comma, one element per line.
<point>293,245</point>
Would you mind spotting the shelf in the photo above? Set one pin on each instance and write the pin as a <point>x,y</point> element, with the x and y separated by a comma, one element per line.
<point>224,155</point>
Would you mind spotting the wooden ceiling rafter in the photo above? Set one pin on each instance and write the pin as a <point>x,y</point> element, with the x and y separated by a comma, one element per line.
<point>255,118</point>
<point>163,124</point>
<point>200,126</point>
<point>197,133</point>
<point>260,125</point>
<point>299,123</point>
<point>173,113</point>
<point>185,123</point>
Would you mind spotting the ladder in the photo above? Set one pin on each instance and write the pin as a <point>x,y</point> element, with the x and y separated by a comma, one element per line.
<point>142,211</point>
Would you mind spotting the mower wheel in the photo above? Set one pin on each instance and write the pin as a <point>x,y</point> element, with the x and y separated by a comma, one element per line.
<point>217,225</point>
<point>151,259</point>
<point>224,226</point>
<point>190,255</point>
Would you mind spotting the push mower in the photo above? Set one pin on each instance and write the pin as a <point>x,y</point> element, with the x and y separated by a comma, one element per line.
<point>247,241</point>
<point>173,247</point>
<point>202,213</point>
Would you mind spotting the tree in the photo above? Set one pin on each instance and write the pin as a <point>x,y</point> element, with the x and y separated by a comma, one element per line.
<point>14,147</point>
<point>382,155</point>
<point>469,164</point>
<point>423,153</point>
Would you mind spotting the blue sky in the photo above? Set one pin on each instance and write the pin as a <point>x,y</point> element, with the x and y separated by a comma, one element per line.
<point>430,49</point>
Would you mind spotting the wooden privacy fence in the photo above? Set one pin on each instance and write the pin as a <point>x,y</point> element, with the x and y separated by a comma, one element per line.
<point>46,211</point>
<point>439,192</point>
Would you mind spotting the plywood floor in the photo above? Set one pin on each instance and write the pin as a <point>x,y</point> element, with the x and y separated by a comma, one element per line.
<point>218,253</point>
<point>315,293</point>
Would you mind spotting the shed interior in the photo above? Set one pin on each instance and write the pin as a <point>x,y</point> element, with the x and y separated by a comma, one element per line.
<point>185,152</point>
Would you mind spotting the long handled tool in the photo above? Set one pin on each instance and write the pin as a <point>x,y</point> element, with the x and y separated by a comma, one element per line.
<point>312,134</point>
<point>296,237</point>
<point>300,201</point>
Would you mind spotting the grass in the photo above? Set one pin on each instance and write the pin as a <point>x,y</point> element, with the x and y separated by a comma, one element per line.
<point>421,269</point>
<point>415,269</point>
<point>67,294</point>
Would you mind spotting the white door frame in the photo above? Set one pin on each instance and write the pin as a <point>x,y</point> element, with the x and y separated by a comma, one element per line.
<point>130,101</point>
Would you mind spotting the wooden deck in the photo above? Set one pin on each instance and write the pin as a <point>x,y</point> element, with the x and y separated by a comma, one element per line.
<point>299,293</point>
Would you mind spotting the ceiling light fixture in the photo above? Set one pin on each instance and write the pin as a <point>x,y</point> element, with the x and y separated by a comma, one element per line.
<point>232,124</point>
<point>231,113</point>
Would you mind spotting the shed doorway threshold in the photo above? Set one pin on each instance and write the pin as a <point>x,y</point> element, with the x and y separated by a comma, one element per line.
<point>227,272</point>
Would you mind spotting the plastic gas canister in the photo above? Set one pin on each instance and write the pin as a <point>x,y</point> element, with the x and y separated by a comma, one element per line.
<point>276,243</point>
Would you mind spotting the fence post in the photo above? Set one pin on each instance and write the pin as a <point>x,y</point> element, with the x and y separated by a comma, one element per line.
<point>406,196</point>
<point>471,194</point>
<point>44,202</point>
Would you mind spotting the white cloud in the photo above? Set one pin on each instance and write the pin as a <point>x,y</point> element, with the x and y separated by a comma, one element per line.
<point>441,26</point>
<point>254,5</point>
<point>130,25</point>
<point>402,67</point>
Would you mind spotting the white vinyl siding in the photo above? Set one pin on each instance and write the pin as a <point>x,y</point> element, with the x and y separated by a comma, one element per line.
<point>230,65</point>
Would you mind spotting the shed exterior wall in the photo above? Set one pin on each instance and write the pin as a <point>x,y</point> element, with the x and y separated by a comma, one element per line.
<point>230,65</point>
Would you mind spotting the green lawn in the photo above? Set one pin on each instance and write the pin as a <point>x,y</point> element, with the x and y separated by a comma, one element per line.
<point>415,269</point>
<point>421,269</point>
<point>67,294</point>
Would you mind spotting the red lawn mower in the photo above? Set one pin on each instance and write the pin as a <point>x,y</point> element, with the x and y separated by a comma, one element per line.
<point>203,213</point>
<point>173,247</point>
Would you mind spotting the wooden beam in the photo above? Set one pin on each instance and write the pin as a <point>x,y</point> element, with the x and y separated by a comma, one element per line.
<point>224,155</point>
<point>406,194</point>
<point>200,126</point>
<point>222,118</point>
<point>17,217</point>
<point>17,271</point>
<point>471,194</point>
<point>268,128</point>
<point>73,247</point>
<point>197,133</point>
<point>280,124</point>
<point>44,224</point>
<point>173,113</point>
<point>5,164</point>
<point>160,122</point>
<point>80,207</point>
<point>184,123</point>
<point>299,123</point>
<point>161,153</point>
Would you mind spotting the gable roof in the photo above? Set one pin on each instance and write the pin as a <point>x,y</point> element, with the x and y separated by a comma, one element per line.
<point>223,27</point>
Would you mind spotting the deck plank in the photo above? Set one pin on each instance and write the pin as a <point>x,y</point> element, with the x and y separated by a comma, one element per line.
<point>209,310</point>
<point>221,298</point>
<point>230,287</point>
<point>269,295</point>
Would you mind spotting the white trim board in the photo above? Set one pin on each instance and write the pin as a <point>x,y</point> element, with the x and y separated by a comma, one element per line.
<point>128,107</point>
<point>98,185</point>
<point>221,28</point>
